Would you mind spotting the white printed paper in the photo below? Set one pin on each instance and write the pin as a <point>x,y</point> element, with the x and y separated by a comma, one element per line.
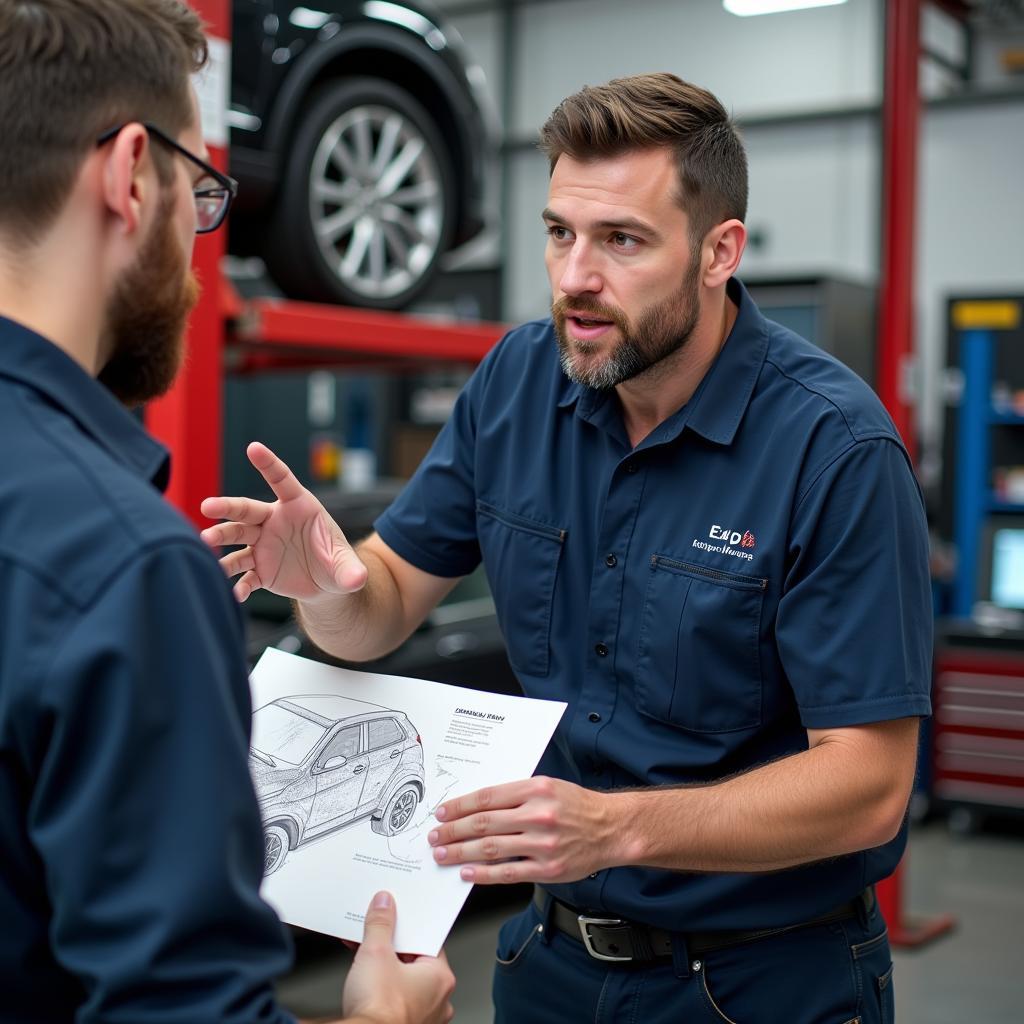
<point>349,768</point>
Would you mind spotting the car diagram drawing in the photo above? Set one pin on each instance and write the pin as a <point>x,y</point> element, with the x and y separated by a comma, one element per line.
<point>349,790</point>
<point>320,763</point>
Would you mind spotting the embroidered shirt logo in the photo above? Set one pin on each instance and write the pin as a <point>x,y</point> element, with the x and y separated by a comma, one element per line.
<point>729,541</point>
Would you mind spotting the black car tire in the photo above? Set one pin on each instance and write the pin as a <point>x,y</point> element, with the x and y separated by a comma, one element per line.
<point>381,116</point>
<point>398,811</point>
<point>276,843</point>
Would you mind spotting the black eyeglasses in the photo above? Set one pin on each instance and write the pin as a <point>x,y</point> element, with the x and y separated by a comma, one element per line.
<point>213,192</point>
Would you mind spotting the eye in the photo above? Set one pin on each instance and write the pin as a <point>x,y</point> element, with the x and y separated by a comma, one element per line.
<point>558,232</point>
<point>624,241</point>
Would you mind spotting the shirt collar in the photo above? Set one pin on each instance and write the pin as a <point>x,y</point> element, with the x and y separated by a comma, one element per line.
<point>571,392</point>
<point>723,395</point>
<point>30,359</point>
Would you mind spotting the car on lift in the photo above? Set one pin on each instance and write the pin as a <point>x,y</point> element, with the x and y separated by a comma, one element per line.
<point>360,133</point>
<point>321,762</point>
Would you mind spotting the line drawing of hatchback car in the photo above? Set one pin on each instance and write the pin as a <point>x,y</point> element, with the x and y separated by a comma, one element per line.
<point>321,762</point>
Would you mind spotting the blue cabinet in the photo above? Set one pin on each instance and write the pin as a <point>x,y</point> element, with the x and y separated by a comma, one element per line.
<point>980,513</point>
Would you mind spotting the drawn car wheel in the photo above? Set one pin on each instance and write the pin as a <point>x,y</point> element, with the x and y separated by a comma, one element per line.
<point>398,812</point>
<point>367,203</point>
<point>275,848</point>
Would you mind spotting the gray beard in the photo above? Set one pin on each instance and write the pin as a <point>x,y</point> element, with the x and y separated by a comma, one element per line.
<point>625,363</point>
<point>643,351</point>
<point>660,332</point>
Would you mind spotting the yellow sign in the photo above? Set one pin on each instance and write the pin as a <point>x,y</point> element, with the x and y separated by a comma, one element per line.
<point>986,314</point>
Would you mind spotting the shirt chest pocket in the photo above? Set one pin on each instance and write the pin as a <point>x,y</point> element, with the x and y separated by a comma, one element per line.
<point>698,663</point>
<point>521,556</point>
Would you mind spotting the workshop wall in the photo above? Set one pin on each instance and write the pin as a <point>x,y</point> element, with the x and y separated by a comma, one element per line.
<point>808,83</point>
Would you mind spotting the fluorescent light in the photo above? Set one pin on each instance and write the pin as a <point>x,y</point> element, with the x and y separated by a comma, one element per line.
<point>303,17</point>
<point>383,10</point>
<point>748,8</point>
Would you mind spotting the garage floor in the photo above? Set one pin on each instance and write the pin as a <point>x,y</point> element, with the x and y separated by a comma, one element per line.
<point>972,976</point>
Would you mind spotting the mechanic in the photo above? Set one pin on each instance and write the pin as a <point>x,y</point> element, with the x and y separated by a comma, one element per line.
<point>131,850</point>
<point>704,534</point>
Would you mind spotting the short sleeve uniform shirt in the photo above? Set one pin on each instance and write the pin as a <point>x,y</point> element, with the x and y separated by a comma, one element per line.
<point>755,567</point>
<point>130,839</point>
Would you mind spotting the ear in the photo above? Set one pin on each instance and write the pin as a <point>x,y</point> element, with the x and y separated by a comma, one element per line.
<point>726,242</point>
<point>127,178</point>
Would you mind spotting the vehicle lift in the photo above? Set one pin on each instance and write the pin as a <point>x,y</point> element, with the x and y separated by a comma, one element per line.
<point>263,334</point>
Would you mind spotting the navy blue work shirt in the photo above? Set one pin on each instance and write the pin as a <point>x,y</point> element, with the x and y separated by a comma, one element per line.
<point>755,567</point>
<point>131,850</point>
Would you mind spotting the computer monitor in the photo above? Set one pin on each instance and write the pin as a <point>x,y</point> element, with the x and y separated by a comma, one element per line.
<point>1001,581</point>
<point>1008,567</point>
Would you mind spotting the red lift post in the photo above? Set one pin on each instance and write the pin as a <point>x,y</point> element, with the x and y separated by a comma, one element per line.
<point>901,108</point>
<point>189,419</point>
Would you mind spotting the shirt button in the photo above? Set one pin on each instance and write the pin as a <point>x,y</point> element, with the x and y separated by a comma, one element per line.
<point>602,650</point>
<point>594,716</point>
<point>631,467</point>
<point>611,561</point>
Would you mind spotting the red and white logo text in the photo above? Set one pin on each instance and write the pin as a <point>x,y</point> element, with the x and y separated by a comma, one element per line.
<point>733,537</point>
<point>729,542</point>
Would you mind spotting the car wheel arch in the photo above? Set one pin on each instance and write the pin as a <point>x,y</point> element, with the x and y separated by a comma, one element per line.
<point>383,824</point>
<point>408,780</point>
<point>372,51</point>
<point>290,825</point>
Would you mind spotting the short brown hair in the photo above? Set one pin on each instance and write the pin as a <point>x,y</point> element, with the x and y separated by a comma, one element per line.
<point>647,111</point>
<point>69,70</point>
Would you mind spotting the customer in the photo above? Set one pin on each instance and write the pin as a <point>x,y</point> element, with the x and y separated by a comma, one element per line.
<point>130,839</point>
<point>703,534</point>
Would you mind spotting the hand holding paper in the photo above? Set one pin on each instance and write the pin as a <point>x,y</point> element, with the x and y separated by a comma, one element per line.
<point>382,988</point>
<point>536,830</point>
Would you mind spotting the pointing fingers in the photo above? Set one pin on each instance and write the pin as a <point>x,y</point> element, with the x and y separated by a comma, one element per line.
<point>282,480</point>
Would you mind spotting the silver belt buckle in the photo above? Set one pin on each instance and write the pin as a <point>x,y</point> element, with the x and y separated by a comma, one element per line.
<point>585,923</point>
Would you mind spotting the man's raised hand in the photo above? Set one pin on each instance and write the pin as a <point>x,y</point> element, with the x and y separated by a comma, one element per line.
<point>292,546</point>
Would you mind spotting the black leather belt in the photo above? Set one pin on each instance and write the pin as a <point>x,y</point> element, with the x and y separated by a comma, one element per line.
<point>616,939</point>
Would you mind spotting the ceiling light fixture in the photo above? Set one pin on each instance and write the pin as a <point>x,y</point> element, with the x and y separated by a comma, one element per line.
<point>748,8</point>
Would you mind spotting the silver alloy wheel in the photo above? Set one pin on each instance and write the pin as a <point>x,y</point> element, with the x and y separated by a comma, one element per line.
<point>376,201</point>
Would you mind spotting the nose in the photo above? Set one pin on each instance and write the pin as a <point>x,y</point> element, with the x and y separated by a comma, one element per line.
<point>579,273</point>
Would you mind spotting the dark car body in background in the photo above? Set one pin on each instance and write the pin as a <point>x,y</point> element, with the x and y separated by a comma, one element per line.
<point>328,103</point>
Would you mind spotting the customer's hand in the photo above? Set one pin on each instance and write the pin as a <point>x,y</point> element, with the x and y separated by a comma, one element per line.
<point>292,546</point>
<point>383,989</point>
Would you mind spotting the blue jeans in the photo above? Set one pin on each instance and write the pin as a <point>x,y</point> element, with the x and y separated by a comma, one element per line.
<point>837,973</point>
